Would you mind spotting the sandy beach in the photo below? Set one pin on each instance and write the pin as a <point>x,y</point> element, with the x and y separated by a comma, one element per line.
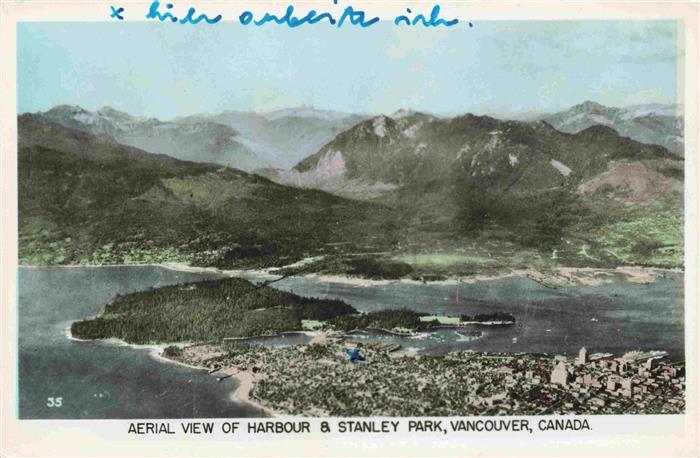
<point>246,379</point>
<point>200,357</point>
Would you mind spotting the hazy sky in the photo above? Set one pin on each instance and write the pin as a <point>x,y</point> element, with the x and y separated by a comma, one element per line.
<point>165,70</point>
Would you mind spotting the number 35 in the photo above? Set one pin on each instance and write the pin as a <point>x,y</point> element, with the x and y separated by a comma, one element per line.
<point>54,402</point>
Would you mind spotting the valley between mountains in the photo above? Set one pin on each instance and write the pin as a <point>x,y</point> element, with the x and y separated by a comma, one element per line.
<point>403,196</point>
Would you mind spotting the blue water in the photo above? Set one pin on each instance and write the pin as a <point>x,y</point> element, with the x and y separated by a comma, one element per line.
<point>613,317</point>
<point>100,380</point>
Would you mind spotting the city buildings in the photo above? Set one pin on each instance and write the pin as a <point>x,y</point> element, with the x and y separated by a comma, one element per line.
<point>318,380</point>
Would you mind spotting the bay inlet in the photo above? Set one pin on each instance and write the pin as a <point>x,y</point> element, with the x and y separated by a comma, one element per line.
<point>103,380</point>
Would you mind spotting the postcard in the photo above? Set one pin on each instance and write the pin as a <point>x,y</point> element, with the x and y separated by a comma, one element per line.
<point>349,228</point>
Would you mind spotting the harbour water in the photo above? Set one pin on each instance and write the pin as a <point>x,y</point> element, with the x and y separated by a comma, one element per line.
<point>104,380</point>
<point>612,317</point>
<point>97,379</point>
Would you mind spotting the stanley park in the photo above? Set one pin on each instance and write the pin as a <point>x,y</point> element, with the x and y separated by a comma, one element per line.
<point>511,250</point>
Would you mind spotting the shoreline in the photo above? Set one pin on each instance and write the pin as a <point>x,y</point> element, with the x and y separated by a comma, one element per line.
<point>245,380</point>
<point>551,278</point>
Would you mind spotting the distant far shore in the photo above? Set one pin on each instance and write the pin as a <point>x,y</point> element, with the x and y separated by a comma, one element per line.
<point>555,277</point>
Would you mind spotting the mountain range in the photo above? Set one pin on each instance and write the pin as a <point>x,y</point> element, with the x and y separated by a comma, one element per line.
<point>653,123</point>
<point>280,139</point>
<point>412,149</point>
<point>513,193</point>
<point>243,140</point>
<point>87,198</point>
<point>284,137</point>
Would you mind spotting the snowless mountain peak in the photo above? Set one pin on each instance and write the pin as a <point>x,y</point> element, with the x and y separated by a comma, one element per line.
<point>658,109</point>
<point>590,105</point>
<point>67,111</point>
<point>402,113</point>
<point>110,112</point>
<point>186,139</point>
<point>414,152</point>
<point>652,123</point>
